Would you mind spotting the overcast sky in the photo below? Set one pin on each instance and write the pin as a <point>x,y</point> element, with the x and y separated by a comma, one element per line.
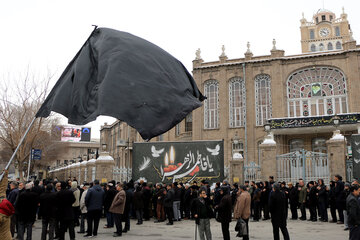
<point>47,34</point>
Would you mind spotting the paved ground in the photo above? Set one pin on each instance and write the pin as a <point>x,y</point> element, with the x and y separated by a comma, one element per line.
<point>299,230</point>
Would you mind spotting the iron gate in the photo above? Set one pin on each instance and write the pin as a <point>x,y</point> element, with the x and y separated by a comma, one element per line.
<point>252,172</point>
<point>307,165</point>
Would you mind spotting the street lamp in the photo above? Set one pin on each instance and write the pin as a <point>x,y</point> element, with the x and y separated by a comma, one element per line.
<point>336,120</point>
<point>267,127</point>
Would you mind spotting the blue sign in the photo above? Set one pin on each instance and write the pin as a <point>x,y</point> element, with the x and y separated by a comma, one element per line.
<point>36,154</point>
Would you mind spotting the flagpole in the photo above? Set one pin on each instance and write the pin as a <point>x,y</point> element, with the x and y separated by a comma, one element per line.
<point>17,148</point>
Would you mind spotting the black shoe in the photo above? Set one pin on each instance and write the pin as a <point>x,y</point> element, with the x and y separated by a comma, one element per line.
<point>80,232</point>
<point>124,230</point>
<point>117,235</point>
<point>88,236</point>
<point>170,223</point>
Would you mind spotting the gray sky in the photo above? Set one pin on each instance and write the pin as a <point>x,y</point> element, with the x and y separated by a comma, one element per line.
<point>47,34</point>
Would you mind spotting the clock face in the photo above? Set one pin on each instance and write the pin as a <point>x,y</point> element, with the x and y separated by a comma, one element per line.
<point>324,32</point>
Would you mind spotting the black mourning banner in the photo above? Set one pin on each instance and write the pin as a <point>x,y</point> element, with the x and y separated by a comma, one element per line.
<point>178,161</point>
<point>355,147</point>
<point>121,75</point>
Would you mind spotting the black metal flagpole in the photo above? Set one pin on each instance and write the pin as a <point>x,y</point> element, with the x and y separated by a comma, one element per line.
<point>17,149</point>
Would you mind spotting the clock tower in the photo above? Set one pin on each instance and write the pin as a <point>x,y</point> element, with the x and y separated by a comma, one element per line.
<point>325,32</point>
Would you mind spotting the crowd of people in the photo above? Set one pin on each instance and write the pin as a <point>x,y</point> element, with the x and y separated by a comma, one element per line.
<point>62,206</point>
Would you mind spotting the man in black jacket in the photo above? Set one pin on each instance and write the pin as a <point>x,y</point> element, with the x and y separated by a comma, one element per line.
<point>26,207</point>
<point>203,213</point>
<point>65,199</point>
<point>353,211</point>
<point>128,205</point>
<point>224,210</point>
<point>312,201</point>
<point>278,210</point>
<point>109,196</point>
<point>168,204</point>
<point>48,211</point>
<point>94,201</point>
<point>294,200</point>
<point>339,188</point>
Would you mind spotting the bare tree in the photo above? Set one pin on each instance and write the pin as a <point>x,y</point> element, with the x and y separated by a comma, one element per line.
<point>20,99</point>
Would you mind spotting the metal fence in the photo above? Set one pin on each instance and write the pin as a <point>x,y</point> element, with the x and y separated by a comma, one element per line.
<point>307,165</point>
<point>121,174</point>
<point>252,172</point>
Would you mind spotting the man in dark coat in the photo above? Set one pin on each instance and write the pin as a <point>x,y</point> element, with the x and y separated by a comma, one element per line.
<point>26,207</point>
<point>14,191</point>
<point>65,199</point>
<point>94,201</point>
<point>224,210</point>
<point>128,205</point>
<point>168,204</point>
<point>294,200</point>
<point>278,210</point>
<point>108,198</point>
<point>312,201</point>
<point>138,202</point>
<point>146,199</point>
<point>48,210</point>
<point>323,200</point>
<point>339,189</point>
<point>353,211</point>
<point>203,213</point>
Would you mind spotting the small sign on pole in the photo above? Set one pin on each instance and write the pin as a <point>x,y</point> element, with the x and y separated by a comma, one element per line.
<point>36,154</point>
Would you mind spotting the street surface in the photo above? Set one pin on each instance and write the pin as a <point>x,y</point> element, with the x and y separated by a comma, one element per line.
<point>298,230</point>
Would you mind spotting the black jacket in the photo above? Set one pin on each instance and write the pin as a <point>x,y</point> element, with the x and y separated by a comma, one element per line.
<point>224,208</point>
<point>353,210</point>
<point>338,191</point>
<point>294,195</point>
<point>278,207</point>
<point>169,198</point>
<point>65,198</point>
<point>26,206</point>
<point>138,201</point>
<point>109,197</point>
<point>323,195</point>
<point>203,210</point>
<point>48,204</point>
<point>94,198</point>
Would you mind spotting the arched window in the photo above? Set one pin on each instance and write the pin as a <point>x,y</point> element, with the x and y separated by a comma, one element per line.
<point>321,47</point>
<point>337,31</point>
<point>236,102</point>
<point>330,46</point>
<point>312,35</point>
<point>211,105</point>
<point>338,45</point>
<point>319,145</point>
<point>316,91</point>
<point>262,98</point>
<point>313,47</point>
<point>296,145</point>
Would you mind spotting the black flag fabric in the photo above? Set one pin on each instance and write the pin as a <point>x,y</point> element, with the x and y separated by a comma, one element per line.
<point>121,75</point>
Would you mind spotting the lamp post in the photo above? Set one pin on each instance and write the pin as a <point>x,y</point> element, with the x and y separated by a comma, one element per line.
<point>267,127</point>
<point>336,121</point>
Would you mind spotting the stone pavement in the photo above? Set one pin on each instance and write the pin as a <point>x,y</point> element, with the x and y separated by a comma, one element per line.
<point>299,230</point>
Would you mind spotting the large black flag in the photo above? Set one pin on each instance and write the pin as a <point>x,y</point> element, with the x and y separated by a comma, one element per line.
<point>120,75</point>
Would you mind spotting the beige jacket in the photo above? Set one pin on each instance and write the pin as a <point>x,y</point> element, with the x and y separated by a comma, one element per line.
<point>242,206</point>
<point>82,202</point>
<point>118,204</point>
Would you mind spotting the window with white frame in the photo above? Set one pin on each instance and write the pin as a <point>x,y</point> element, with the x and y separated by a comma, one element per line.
<point>312,35</point>
<point>211,105</point>
<point>262,99</point>
<point>188,123</point>
<point>337,31</point>
<point>330,46</point>
<point>313,48</point>
<point>316,91</point>
<point>338,45</point>
<point>238,147</point>
<point>296,145</point>
<point>318,145</point>
<point>236,102</point>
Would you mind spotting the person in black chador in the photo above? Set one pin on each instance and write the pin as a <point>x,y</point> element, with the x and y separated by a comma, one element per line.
<point>278,210</point>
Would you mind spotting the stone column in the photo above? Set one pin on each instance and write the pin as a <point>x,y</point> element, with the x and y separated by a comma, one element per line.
<point>104,167</point>
<point>336,149</point>
<point>83,173</point>
<point>237,171</point>
<point>77,172</point>
<point>91,170</point>
<point>268,157</point>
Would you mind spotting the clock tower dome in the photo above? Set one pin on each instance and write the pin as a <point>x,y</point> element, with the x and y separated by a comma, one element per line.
<point>325,32</point>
